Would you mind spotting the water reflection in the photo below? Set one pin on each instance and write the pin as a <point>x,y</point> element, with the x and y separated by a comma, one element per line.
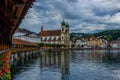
<point>58,60</point>
<point>96,56</point>
<point>72,65</point>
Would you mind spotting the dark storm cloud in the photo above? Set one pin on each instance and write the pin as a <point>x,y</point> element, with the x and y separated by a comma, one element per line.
<point>82,15</point>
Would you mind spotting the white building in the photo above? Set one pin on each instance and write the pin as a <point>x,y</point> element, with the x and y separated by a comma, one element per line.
<point>56,36</point>
<point>104,43</point>
<point>115,43</point>
<point>26,35</point>
<point>80,43</point>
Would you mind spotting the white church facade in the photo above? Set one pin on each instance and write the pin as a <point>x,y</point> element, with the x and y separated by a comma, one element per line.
<point>56,36</point>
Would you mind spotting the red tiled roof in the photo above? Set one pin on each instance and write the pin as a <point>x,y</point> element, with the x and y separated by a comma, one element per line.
<point>22,42</point>
<point>50,33</point>
<point>91,38</point>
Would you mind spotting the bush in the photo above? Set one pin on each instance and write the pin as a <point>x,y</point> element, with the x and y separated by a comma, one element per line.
<point>53,45</point>
<point>41,44</point>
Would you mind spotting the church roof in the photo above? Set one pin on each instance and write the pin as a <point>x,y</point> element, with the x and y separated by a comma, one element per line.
<point>63,22</point>
<point>50,33</point>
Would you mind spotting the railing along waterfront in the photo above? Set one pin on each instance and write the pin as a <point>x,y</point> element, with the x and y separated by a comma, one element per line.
<point>5,56</point>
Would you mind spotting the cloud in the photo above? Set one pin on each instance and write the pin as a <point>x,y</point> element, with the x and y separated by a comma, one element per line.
<point>82,15</point>
<point>115,18</point>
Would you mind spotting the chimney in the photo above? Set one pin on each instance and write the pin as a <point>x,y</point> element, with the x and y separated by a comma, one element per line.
<point>41,28</point>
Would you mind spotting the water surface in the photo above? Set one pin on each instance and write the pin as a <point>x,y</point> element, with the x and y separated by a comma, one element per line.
<point>71,65</point>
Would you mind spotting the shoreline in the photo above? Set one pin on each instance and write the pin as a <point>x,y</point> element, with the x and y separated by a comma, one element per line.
<point>58,49</point>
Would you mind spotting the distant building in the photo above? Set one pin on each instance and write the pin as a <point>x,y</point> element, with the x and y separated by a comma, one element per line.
<point>94,42</point>
<point>56,36</point>
<point>24,34</point>
<point>115,43</point>
<point>89,42</point>
<point>80,42</point>
<point>72,43</point>
<point>104,43</point>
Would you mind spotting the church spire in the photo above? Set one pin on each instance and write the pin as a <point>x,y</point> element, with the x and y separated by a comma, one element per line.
<point>63,23</point>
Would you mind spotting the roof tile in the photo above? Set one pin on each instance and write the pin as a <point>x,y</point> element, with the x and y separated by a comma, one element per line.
<point>50,33</point>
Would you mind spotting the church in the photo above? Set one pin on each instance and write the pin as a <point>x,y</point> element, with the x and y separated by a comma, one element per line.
<point>56,36</point>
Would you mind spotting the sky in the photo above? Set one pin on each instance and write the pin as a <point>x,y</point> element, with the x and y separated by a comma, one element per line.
<point>83,16</point>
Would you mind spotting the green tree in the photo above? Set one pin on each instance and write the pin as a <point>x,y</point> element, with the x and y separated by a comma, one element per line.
<point>109,38</point>
<point>41,44</point>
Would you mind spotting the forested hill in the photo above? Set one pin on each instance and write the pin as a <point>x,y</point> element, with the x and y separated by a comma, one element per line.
<point>109,34</point>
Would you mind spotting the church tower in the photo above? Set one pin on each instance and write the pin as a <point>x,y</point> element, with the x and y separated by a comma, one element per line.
<point>65,39</point>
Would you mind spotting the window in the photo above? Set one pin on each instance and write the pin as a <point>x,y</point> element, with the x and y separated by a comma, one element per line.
<point>66,30</point>
<point>62,37</point>
<point>62,29</point>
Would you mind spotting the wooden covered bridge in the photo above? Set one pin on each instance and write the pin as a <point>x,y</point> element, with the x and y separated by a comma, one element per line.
<point>13,51</point>
<point>12,12</point>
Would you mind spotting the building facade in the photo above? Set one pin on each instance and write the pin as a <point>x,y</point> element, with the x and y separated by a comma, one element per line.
<point>56,36</point>
<point>94,42</point>
<point>115,43</point>
<point>80,42</point>
<point>90,42</point>
<point>26,35</point>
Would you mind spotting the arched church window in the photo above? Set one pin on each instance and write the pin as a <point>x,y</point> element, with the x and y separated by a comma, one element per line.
<point>66,30</point>
<point>62,29</point>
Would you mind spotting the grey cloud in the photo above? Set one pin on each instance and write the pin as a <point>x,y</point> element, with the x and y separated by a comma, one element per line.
<point>96,15</point>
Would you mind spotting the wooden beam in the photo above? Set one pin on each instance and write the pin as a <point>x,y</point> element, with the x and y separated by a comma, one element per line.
<point>19,11</point>
<point>6,3</point>
<point>24,1</point>
<point>4,20</point>
<point>9,12</point>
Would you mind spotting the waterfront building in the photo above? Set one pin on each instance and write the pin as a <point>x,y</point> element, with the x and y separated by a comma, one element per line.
<point>104,43</point>
<point>72,42</point>
<point>24,34</point>
<point>94,42</point>
<point>89,42</point>
<point>56,36</point>
<point>115,43</point>
<point>80,42</point>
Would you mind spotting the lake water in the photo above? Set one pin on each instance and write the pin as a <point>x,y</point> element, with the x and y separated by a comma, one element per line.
<point>71,65</point>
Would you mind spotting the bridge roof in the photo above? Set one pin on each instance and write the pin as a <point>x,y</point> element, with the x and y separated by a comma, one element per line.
<point>23,42</point>
<point>12,12</point>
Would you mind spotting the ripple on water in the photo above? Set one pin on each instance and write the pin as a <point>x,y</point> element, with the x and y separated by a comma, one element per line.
<point>73,65</point>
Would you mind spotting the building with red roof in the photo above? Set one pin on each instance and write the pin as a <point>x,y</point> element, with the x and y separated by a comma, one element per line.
<point>56,36</point>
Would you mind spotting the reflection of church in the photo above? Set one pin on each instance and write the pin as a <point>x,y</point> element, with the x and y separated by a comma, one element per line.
<point>58,60</point>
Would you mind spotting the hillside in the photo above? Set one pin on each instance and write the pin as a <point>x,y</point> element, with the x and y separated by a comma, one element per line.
<point>108,34</point>
<point>76,35</point>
